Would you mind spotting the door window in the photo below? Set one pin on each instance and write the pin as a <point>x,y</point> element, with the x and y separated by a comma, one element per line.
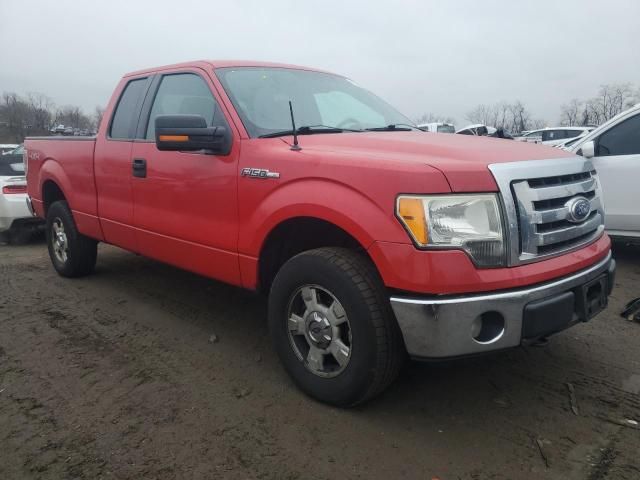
<point>124,119</point>
<point>184,93</point>
<point>572,133</point>
<point>622,139</point>
<point>549,135</point>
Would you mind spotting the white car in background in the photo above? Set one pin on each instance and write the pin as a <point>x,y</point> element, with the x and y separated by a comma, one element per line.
<point>438,127</point>
<point>7,147</point>
<point>16,221</point>
<point>614,149</point>
<point>477,129</point>
<point>554,136</point>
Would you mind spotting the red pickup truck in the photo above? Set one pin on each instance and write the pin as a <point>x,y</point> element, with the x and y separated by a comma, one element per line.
<point>373,239</point>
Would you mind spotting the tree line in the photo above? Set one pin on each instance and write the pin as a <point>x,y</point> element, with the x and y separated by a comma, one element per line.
<point>515,117</point>
<point>610,101</point>
<point>37,114</point>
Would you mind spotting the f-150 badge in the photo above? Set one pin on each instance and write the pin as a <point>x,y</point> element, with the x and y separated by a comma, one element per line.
<point>258,173</point>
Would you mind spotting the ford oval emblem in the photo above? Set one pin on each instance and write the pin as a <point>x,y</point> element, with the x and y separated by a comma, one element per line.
<point>579,209</point>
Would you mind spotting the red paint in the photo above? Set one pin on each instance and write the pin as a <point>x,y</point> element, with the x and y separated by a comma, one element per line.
<point>194,211</point>
<point>451,271</point>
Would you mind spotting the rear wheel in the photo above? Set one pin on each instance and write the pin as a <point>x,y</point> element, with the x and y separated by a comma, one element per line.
<point>72,254</point>
<point>333,327</point>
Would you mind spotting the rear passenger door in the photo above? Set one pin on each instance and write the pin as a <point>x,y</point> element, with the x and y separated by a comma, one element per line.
<point>112,167</point>
<point>185,204</point>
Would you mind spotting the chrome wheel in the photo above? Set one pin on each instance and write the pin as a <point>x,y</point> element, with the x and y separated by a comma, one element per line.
<point>59,240</point>
<point>319,331</point>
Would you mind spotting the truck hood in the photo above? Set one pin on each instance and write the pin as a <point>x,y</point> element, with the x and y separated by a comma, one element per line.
<point>463,159</point>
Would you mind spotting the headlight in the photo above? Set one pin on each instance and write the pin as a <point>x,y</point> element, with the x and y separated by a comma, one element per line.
<point>469,222</point>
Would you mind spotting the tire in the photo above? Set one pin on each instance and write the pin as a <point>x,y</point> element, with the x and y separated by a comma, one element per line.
<point>72,254</point>
<point>362,358</point>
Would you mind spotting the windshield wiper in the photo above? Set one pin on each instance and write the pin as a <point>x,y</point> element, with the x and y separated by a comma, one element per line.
<point>394,127</point>
<point>309,130</point>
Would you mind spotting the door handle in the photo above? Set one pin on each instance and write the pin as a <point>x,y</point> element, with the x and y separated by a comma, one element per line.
<point>139,167</point>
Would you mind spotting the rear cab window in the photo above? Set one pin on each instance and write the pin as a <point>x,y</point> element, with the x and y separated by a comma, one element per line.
<point>125,116</point>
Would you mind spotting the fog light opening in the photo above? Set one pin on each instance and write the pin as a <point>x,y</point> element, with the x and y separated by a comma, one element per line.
<point>488,327</point>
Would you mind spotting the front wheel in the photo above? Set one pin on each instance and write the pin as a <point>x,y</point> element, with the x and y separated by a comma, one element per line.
<point>333,327</point>
<point>72,254</point>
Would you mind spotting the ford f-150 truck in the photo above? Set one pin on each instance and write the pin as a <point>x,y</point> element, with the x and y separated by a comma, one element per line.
<point>373,239</point>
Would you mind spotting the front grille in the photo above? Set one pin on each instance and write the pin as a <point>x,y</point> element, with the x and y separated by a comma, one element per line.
<point>539,220</point>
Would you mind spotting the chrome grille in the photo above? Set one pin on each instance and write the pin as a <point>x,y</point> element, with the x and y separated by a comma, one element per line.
<point>537,198</point>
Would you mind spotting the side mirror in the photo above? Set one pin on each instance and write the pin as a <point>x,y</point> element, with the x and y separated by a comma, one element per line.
<point>588,149</point>
<point>189,133</point>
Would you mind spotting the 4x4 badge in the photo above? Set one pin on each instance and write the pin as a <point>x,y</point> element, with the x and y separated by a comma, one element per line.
<point>258,173</point>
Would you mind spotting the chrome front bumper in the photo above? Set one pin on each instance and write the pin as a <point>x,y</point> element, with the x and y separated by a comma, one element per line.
<point>450,326</point>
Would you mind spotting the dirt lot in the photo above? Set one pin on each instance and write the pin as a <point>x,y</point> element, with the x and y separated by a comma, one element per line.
<point>115,376</point>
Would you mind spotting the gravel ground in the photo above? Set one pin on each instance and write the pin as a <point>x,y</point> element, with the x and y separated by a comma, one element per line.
<point>146,371</point>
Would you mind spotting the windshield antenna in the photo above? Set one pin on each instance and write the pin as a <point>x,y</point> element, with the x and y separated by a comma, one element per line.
<point>295,147</point>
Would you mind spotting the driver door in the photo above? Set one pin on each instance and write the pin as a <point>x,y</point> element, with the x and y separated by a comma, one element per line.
<point>185,203</point>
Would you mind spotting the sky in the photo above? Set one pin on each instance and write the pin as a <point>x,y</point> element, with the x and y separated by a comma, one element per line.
<point>424,56</point>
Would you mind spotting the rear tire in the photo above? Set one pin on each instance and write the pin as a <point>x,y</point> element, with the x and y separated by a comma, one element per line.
<point>72,254</point>
<point>333,327</point>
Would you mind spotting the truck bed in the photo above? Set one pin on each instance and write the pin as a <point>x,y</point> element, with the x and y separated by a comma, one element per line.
<point>70,161</point>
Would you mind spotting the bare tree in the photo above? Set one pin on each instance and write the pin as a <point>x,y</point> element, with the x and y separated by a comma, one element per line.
<point>98,113</point>
<point>612,99</point>
<point>72,116</point>
<point>14,112</point>
<point>433,118</point>
<point>521,118</point>
<point>481,114</point>
<point>40,108</point>
<point>511,117</point>
<point>570,113</point>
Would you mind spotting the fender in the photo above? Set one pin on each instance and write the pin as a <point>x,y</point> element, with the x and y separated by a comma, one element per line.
<point>364,219</point>
<point>53,171</point>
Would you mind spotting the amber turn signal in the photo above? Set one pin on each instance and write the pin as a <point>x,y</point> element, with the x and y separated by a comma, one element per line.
<point>411,211</point>
<point>174,138</point>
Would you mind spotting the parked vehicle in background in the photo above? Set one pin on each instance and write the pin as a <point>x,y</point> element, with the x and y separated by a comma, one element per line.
<point>372,239</point>
<point>477,129</point>
<point>553,136</point>
<point>438,127</point>
<point>614,149</point>
<point>481,130</point>
<point>16,221</point>
<point>7,147</point>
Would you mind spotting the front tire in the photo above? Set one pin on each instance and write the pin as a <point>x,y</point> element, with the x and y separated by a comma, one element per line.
<point>333,327</point>
<point>72,254</point>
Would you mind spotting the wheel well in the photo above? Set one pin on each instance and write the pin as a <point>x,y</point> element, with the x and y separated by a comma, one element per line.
<point>297,235</point>
<point>51,192</point>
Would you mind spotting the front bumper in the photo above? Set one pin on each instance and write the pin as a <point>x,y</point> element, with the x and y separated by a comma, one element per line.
<point>451,326</point>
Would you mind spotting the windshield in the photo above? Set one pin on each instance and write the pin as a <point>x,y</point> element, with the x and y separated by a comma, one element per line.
<point>261,97</point>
